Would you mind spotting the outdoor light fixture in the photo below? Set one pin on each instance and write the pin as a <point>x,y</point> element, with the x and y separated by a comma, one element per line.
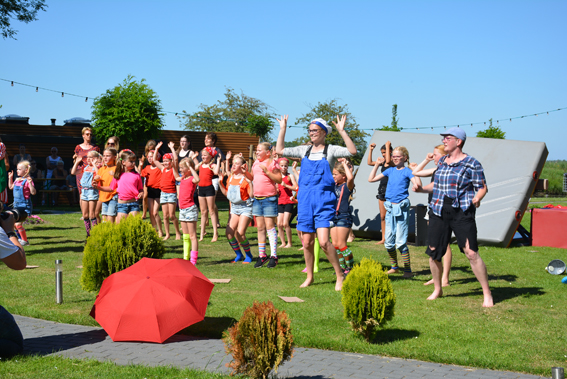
<point>557,373</point>
<point>59,281</point>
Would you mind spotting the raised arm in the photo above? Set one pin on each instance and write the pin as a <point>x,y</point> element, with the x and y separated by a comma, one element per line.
<point>280,144</point>
<point>371,148</point>
<point>78,160</point>
<point>388,157</point>
<point>221,183</point>
<point>373,177</point>
<point>348,172</point>
<point>420,169</point>
<point>340,125</point>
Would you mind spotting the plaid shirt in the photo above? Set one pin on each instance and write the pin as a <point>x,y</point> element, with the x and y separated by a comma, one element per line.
<point>458,181</point>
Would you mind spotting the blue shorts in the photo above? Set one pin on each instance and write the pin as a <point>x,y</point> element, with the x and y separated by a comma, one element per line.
<point>109,208</point>
<point>166,198</point>
<point>343,220</point>
<point>128,208</point>
<point>89,194</point>
<point>190,214</point>
<point>267,207</point>
<point>242,209</point>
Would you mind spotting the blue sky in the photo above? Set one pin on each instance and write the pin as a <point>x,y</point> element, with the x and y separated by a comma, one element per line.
<point>442,62</point>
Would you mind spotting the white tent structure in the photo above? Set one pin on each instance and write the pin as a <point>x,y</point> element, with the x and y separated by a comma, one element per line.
<point>512,169</point>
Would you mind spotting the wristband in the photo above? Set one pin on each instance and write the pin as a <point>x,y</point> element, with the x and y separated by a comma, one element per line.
<point>11,234</point>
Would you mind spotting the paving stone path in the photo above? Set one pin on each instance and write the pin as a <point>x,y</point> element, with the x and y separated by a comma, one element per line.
<point>76,341</point>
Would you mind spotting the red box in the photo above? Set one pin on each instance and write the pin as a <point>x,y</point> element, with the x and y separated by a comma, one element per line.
<point>549,227</point>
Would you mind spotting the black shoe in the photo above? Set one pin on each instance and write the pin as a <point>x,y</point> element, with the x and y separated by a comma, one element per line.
<point>260,262</point>
<point>273,262</point>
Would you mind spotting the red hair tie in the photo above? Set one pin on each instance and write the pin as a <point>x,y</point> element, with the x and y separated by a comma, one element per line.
<point>168,156</point>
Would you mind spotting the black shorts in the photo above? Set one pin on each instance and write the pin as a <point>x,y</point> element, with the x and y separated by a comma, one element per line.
<point>208,191</point>
<point>463,224</point>
<point>283,208</point>
<point>154,193</point>
<point>381,192</point>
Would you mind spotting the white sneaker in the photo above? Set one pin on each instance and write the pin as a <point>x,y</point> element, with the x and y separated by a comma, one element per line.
<point>24,243</point>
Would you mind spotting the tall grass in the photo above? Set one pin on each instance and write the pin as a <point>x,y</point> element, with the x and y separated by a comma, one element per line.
<point>553,171</point>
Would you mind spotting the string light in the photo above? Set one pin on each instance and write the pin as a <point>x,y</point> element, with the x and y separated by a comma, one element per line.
<point>198,115</point>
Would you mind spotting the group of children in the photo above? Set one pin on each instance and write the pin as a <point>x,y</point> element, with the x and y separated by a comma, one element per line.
<point>112,186</point>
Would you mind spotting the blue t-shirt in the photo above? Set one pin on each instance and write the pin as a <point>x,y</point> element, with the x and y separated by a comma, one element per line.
<point>398,184</point>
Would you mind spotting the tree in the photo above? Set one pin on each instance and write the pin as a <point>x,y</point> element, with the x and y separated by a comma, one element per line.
<point>22,10</point>
<point>492,132</point>
<point>394,125</point>
<point>131,111</point>
<point>328,111</point>
<point>236,113</point>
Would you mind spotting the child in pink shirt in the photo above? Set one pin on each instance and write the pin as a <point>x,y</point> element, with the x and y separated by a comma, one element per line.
<point>128,184</point>
<point>265,174</point>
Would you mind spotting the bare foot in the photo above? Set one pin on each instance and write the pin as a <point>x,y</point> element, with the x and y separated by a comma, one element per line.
<point>435,295</point>
<point>201,238</point>
<point>488,302</point>
<point>282,245</point>
<point>444,284</point>
<point>380,243</point>
<point>350,239</point>
<point>215,238</point>
<point>166,237</point>
<point>301,248</point>
<point>339,284</point>
<point>286,246</point>
<point>307,283</point>
<point>304,270</point>
<point>178,236</point>
<point>392,271</point>
<point>160,235</point>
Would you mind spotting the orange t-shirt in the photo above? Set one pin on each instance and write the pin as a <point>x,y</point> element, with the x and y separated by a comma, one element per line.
<point>106,175</point>
<point>152,175</point>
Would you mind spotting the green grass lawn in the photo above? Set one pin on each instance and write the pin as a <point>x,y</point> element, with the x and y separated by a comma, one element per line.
<point>524,332</point>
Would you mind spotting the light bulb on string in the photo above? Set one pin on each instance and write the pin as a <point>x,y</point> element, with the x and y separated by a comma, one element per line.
<point>62,94</point>
<point>12,83</point>
<point>510,120</point>
<point>36,89</point>
<point>86,99</point>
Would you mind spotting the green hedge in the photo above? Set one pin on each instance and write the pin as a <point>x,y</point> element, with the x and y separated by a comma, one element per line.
<point>114,247</point>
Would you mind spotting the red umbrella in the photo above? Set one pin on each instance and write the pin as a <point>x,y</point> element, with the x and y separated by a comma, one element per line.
<point>152,300</point>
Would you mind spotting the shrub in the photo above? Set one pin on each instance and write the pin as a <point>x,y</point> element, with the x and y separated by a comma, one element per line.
<point>260,341</point>
<point>114,247</point>
<point>368,298</point>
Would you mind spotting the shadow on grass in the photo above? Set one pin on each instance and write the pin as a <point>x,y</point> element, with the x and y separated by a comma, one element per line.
<point>79,247</point>
<point>211,327</point>
<point>392,335</point>
<point>42,228</point>
<point>491,278</point>
<point>501,294</point>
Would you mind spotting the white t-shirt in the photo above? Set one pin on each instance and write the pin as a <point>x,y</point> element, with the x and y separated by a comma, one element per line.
<point>333,153</point>
<point>7,247</point>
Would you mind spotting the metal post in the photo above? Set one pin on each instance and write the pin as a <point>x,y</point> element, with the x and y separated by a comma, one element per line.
<point>59,281</point>
<point>557,373</point>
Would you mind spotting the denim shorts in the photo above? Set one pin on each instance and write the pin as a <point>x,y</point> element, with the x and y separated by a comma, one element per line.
<point>242,209</point>
<point>128,207</point>
<point>109,207</point>
<point>166,198</point>
<point>190,214</point>
<point>267,207</point>
<point>89,194</point>
<point>343,220</point>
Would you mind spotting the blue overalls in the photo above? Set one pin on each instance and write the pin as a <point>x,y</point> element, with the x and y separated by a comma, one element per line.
<point>316,199</point>
<point>19,200</point>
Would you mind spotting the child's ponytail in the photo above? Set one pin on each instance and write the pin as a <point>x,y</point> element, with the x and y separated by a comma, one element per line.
<point>125,155</point>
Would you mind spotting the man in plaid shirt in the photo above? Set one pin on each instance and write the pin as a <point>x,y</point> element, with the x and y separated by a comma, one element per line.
<point>459,186</point>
